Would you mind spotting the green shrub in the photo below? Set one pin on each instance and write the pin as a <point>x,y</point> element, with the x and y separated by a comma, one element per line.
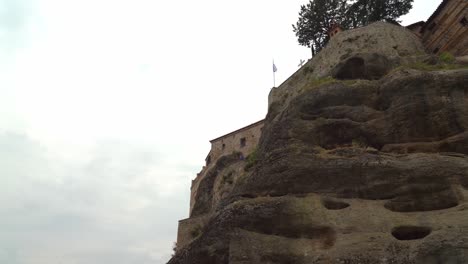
<point>252,159</point>
<point>320,81</point>
<point>421,66</point>
<point>351,82</point>
<point>446,57</point>
<point>196,232</point>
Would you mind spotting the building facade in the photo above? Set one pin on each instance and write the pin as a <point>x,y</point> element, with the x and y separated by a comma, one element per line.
<point>243,141</point>
<point>446,30</point>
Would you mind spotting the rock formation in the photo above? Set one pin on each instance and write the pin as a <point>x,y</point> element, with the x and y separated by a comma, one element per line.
<point>363,159</point>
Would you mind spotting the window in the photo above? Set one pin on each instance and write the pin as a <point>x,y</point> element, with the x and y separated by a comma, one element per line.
<point>224,146</point>
<point>435,50</point>
<point>242,142</point>
<point>464,22</point>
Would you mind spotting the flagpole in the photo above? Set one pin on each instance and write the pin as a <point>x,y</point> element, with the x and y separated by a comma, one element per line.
<point>274,78</point>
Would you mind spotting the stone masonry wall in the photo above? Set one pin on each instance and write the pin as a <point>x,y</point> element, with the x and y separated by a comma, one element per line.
<point>226,145</point>
<point>189,229</point>
<point>447,30</point>
<point>232,142</point>
<point>243,140</point>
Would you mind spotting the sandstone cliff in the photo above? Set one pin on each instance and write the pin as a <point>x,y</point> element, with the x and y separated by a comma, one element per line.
<point>363,159</point>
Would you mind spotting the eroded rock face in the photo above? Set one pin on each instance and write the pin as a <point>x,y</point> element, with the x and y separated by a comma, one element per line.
<point>360,171</point>
<point>392,42</point>
<point>363,53</point>
<point>208,191</point>
<point>367,66</point>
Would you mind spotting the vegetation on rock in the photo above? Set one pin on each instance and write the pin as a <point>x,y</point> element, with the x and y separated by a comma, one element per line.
<point>196,232</point>
<point>447,57</point>
<point>315,19</point>
<point>317,16</point>
<point>252,159</point>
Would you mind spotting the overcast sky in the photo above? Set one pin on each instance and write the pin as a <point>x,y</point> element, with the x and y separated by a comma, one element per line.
<point>106,110</point>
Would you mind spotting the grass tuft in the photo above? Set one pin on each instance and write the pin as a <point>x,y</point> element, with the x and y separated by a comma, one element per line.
<point>317,82</point>
<point>196,232</point>
<point>446,57</point>
<point>252,159</point>
<point>421,66</point>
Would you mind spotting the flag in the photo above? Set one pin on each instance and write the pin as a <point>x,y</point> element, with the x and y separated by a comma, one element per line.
<point>274,67</point>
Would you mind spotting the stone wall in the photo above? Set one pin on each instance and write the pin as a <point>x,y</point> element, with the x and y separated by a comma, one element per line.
<point>243,140</point>
<point>416,28</point>
<point>189,229</point>
<point>194,187</point>
<point>447,29</point>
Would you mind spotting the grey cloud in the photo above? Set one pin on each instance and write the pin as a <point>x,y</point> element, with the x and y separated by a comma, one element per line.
<point>14,17</point>
<point>105,209</point>
<point>13,14</point>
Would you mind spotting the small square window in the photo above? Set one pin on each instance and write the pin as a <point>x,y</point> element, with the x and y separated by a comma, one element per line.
<point>242,142</point>
<point>464,21</point>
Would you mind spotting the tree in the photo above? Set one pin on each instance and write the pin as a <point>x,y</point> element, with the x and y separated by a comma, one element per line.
<point>364,12</point>
<point>315,19</point>
<point>317,16</point>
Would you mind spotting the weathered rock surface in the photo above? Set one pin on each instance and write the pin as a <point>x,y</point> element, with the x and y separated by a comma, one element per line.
<point>363,53</point>
<point>217,182</point>
<point>373,170</point>
<point>393,42</point>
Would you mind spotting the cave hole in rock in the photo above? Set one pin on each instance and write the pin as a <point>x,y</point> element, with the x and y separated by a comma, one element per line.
<point>334,204</point>
<point>419,206</point>
<point>279,225</point>
<point>249,195</point>
<point>410,232</point>
<point>352,69</point>
<point>425,199</point>
<point>277,194</point>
